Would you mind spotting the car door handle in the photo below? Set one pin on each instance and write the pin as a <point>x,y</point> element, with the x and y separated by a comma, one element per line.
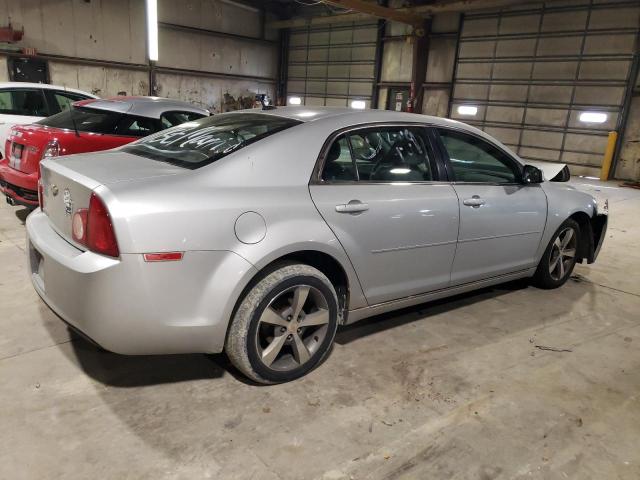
<point>475,201</point>
<point>354,206</point>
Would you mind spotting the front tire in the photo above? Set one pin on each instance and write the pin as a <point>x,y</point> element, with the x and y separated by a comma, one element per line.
<point>284,326</point>
<point>559,259</point>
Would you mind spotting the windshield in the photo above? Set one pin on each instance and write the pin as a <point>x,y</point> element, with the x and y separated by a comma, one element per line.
<point>195,144</point>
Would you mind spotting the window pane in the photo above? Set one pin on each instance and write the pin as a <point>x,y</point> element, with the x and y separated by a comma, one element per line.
<point>391,154</point>
<point>23,102</point>
<point>63,100</point>
<point>338,166</point>
<point>84,120</point>
<point>474,160</point>
<point>198,143</point>
<point>131,126</point>
<point>171,119</point>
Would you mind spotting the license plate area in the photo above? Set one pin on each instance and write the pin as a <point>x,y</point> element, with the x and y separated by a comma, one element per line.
<point>16,155</point>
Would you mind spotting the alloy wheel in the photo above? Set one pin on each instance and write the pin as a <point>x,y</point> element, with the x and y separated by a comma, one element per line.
<point>563,253</point>
<point>292,328</point>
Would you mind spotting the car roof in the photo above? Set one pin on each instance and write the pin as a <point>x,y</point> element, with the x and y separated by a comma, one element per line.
<point>151,107</point>
<point>45,86</point>
<point>342,117</point>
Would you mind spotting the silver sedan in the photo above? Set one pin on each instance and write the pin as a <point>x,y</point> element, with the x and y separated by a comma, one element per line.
<point>260,232</point>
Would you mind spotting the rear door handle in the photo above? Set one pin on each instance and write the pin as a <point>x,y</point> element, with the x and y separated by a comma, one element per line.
<point>475,201</point>
<point>354,206</point>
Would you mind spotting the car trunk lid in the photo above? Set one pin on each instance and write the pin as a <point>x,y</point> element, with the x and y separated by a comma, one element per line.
<point>69,181</point>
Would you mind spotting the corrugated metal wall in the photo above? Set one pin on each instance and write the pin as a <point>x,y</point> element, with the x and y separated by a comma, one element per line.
<point>333,64</point>
<point>531,73</point>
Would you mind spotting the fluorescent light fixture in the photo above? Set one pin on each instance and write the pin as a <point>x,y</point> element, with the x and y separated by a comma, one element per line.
<point>593,117</point>
<point>295,101</point>
<point>358,104</point>
<point>152,30</point>
<point>400,171</point>
<point>467,110</point>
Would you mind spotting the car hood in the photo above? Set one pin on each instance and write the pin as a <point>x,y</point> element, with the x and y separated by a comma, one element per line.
<point>113,166</point>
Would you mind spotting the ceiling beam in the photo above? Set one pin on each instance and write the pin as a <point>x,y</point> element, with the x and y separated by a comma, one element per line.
<point>424,10</point>
<point>378,11</point>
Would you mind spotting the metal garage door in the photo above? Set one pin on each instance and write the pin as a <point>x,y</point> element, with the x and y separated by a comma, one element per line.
<point>532,74</point>
<point>333,64</point>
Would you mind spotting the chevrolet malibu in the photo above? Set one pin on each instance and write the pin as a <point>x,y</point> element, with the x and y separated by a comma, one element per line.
<point>259,232</point>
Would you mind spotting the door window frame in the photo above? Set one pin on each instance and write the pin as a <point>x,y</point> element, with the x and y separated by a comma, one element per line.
<point>438,168</point>
<point>444,154</point>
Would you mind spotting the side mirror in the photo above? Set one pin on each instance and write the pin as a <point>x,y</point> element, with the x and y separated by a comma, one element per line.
<point>531,174</point>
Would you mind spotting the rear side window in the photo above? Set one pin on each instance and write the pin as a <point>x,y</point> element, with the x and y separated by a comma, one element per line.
<point>131,126</point>
<point>84,120</point>
<point>29,102</point>
<point>380,154</point>
<point>198,143</point>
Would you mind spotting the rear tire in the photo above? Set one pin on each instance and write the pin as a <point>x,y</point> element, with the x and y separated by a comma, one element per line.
<point>284,326</point>
<point>559,259</point>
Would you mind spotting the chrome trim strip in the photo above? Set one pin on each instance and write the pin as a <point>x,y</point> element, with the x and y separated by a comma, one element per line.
<point>497,236</point>
<point>413,247</point>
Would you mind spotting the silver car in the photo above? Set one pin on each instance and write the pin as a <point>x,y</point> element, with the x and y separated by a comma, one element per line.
<point>260,232</point>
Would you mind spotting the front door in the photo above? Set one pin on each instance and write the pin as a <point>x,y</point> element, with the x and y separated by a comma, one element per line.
<point>501,219</point>
<point>379,192</point>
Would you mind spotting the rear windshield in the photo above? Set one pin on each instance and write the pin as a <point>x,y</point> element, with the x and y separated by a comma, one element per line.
<point>195,144</point>
<point>84,119</point>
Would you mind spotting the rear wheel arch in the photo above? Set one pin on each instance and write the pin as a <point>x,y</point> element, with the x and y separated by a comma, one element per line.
<point>324,262</point>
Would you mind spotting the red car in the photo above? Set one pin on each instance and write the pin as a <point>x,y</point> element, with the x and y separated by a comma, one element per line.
<point>88,126</point>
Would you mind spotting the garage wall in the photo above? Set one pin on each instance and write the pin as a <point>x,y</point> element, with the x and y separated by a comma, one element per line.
<point>532,72</point>
<point>332,65</point>
<point>100,46</point>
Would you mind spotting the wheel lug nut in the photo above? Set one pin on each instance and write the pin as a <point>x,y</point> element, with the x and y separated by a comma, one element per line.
<point>289,317</point>
<point>299,330</point>
<point>289,337</point>
<point>282,329</point>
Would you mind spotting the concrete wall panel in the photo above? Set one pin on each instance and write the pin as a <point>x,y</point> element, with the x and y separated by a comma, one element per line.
<point>550,93</point>
<point>563,21</point>
<point>508,93</point>
<point>101,81</point>
<point>396,62</point>
<point>537,138</point>
<point>519,24</point>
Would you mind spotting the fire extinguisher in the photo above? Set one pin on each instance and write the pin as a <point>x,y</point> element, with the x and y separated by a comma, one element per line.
<point>411,99</point>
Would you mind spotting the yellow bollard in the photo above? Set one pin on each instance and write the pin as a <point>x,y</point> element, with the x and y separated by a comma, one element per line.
<point>608,156</point>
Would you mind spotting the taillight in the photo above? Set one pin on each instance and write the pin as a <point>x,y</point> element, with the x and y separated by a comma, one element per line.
<point>52,149</point>
<point>93,228</point>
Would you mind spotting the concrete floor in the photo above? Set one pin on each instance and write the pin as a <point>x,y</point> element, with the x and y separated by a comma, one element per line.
<point>451,390</point>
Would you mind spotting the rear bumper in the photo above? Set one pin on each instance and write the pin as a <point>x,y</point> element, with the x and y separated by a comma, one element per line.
<point>21,187</point>
<point>132,307</point>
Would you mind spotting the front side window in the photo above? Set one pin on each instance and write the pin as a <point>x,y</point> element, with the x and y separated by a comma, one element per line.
<point>132,126</point>
<point>198,143</point>
<point>474,160</point>
<point>171,119</point>
<point>379,154</point>
<point>29,102</point>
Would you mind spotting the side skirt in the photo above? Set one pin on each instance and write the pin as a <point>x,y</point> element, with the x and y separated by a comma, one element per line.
<point>362,313</point>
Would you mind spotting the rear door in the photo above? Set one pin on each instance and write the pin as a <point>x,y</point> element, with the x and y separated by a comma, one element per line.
<point>379,190</point>
<point>19,106</point>
<point>501,219</point>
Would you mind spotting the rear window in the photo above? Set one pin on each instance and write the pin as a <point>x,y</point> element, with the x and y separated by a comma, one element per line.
<point>94,120</point>
<point>201,142</point>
